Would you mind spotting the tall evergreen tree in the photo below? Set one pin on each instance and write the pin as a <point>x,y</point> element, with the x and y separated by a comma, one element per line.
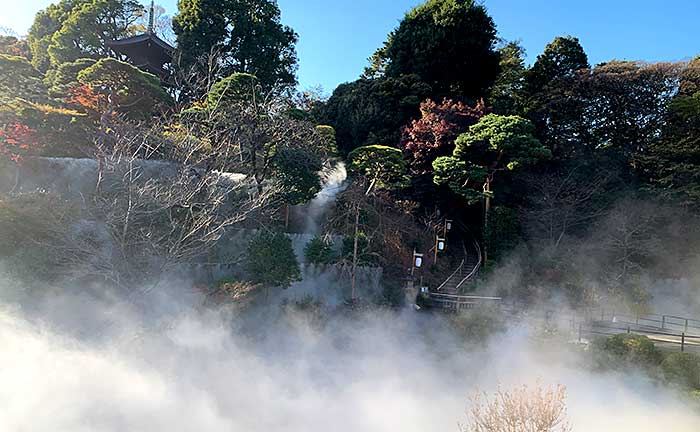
<point>246,35</point>
<point>74,29</point>
<point>449,44</point>
<point>561,58</point>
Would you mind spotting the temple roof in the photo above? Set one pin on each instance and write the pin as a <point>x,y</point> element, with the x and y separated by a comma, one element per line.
<point>146,51</point>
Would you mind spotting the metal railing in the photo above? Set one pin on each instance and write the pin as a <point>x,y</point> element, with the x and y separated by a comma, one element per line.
<point>458,270</point>
<point>681,339</point>
<point>476,268</point>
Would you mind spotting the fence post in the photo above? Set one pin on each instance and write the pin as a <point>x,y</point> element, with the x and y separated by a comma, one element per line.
<point>663,322</point>
<point>629,330</point>
<point>686,324</point>
<point>682,342</point>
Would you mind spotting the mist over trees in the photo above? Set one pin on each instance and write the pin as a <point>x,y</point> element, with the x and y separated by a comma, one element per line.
<point>559,181</point>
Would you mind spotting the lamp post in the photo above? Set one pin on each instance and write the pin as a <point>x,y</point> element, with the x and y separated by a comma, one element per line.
<point>447,228</point>
<point>440,245</point>
<point>417,261</point>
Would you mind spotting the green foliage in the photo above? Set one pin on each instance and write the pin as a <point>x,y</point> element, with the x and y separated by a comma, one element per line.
<point>233,89</point>
<point>319,251</point>
<point>89,27</point>
<point>682,369</point>
<point>46,23</point>
<point>271,260</point>
<point>625,350</point>
<point>507,93</point>
<point>74,29</point>
<point>672,165</point>
<point>478,325</point>
<point>298,169</point>
<point>457,174</point>
<point>561,58</point>
<point>129,89</point>
<point>382,166</point>
<point>615,110</point>
<point>65,77</point>
<point>327,134</point>
<point>363,257</point>
<point>508,142</point>
<point>246,34</point>
<point>18,79</point>
<point>495,143</point>
<point>502,233</point>
<point>449,44</point>
<point>373,110</point>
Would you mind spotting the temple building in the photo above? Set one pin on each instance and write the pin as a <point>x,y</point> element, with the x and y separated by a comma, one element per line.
<point>146,51</point>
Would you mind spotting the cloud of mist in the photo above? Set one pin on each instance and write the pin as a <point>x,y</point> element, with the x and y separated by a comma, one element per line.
<point>180,368</point>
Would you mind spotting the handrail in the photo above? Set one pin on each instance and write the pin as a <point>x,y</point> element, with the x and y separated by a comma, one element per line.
<point>466,297</point>
<point>459,268</point>
<point>476,267</point>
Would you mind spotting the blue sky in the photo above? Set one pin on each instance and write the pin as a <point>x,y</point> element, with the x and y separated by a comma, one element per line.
<point>336,37</point>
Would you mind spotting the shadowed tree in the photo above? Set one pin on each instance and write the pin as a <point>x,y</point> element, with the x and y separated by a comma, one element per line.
<point>672,166</point>
<point>449,44</point>
<point>561,58</point>
<point>507,93</point>
<point>271,260</point>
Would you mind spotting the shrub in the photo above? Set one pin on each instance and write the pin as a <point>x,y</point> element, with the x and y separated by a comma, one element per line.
<point>271,260</point>
<point>627,350</point>
<point>502,233</point>
<point>327,134</point>
<point>319,251</point>
<point>682,369</point>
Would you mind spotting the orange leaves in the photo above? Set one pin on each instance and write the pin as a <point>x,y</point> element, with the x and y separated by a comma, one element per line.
<point>87,99</point>
<point>17,139</point>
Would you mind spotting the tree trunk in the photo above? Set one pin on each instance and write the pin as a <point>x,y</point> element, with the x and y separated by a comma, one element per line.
<point>286,217</point>
<point>487,209</point>
<point>354,252</point>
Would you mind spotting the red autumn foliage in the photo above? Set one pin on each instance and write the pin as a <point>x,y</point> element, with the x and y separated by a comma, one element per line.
<point>434,134</point>
<point>16,140</point>
<point>87,100</point>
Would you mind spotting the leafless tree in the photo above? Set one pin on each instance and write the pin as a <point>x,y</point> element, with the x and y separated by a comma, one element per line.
<point>167,199</point>
<point>522,409</point>
<point>562,203</point>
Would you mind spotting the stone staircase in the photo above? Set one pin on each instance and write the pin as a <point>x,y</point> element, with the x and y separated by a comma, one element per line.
<point>468,267</point>
<point>449,296</point>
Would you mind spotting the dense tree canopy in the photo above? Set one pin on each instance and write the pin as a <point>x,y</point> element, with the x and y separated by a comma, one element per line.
<point>434,134</point>
<point>672,164</point>
<point>449,44</point>
<point>495,143</point>
<point>561,58</point>
<point>19,79</point>
<point>245,35</point>
<point>271,260</point>
<point>74,29</point>
<point>507,93</point>
<point>382,167</point>
<point>373,110</point>
<point>122,87</point>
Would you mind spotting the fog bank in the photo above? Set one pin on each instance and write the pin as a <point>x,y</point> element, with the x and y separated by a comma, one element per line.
<point>184,369</point>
